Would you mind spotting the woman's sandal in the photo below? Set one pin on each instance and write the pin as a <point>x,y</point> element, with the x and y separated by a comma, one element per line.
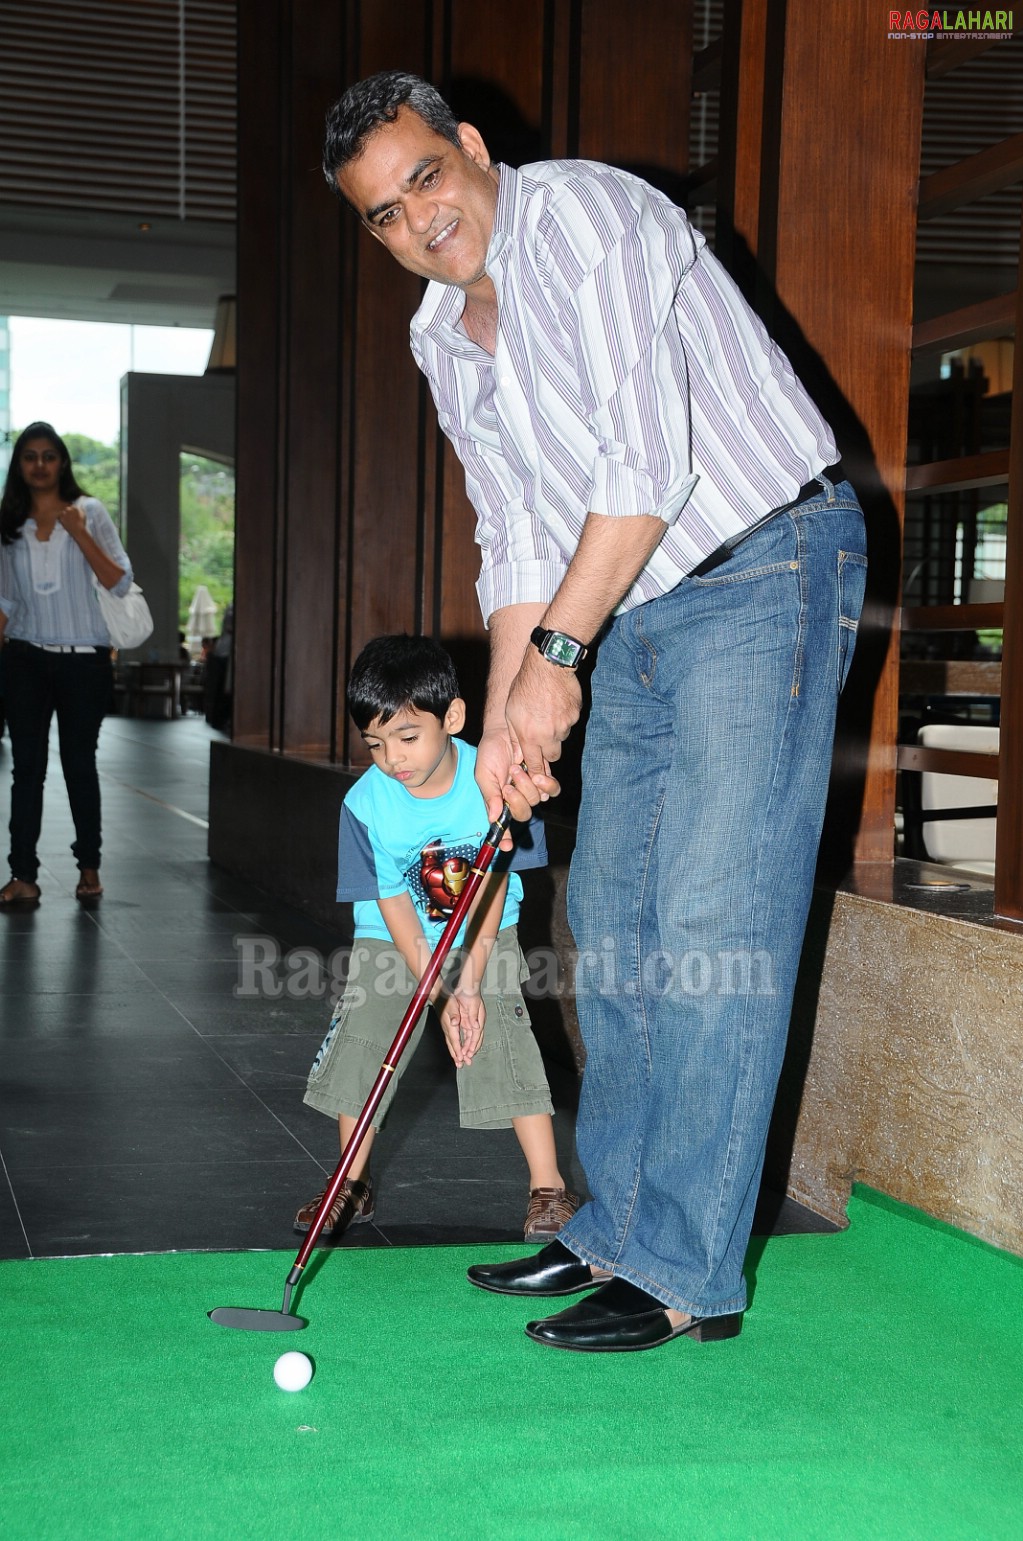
<point>19,901</point>
<point>89,885</point>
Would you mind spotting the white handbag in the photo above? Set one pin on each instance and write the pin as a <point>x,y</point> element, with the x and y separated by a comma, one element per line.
<point>126,617</point>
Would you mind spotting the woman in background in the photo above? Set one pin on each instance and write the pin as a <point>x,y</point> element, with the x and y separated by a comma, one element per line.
<point>55,545</point>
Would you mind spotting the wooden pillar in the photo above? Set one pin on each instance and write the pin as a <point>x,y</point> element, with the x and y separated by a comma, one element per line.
<point>261,86</point>
<point>1009,849</point>
<point>826,224</point>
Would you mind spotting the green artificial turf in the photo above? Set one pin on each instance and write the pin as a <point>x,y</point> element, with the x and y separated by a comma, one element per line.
<point>875,1392</point>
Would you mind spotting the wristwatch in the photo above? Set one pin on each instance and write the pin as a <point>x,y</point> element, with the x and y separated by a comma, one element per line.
<point>558,648</point>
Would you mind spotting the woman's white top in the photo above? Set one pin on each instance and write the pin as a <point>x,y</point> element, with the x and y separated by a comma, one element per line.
<point>48,589</point>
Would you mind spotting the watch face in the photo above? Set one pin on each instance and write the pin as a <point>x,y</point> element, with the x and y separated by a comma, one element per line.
<point>563,650</point>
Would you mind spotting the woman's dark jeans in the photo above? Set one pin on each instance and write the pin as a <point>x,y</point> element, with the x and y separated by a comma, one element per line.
<point>79,688</point>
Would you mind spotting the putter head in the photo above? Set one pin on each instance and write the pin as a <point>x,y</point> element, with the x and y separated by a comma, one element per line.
<point>249,1319</point>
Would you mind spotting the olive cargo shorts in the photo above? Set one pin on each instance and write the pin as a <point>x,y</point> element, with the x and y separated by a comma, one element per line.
<point>506,1079</point>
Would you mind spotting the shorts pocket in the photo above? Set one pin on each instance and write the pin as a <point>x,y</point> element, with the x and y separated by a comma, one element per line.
<point>334,1034</point>
<point>525,1066</point>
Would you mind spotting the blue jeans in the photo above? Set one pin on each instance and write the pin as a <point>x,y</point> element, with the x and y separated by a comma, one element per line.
<point>705,775</point>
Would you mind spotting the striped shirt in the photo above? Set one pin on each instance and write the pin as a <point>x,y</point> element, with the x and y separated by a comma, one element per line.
<point>630,377</point>
<point>49,594</point>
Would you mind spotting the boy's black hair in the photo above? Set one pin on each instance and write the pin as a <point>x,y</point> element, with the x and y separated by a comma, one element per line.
<point>394,672</point>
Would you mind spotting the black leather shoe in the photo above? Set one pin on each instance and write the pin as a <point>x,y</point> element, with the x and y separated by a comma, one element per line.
<point>619,1318</point>
<point>551,1271</point>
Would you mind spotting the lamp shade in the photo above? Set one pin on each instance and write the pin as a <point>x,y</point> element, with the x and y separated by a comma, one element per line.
<point>222,349</point>
<point>202,613</point>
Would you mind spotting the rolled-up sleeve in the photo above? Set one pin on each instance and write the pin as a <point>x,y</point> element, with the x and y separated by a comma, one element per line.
<point>508,574</point>
<point>521,562</point>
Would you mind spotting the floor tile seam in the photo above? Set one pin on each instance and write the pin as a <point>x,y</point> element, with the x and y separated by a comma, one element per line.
<point>181,813</point>
<point>220,1163</point>
<point>149,745</point>
<point>158,1098</point>
<point>241,1082</point>
<point>372,1239</point>
<point>226,1248</point>
<point>170,957</point>
<point>59,995</point>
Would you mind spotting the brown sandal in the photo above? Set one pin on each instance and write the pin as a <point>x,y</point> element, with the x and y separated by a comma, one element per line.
<point>9,901</point>
<point>89,885</point>
<point>353,1206</point>
<point>549,1209</point>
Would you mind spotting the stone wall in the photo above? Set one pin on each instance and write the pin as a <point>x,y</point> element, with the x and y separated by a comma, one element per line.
<point>904,1066</point>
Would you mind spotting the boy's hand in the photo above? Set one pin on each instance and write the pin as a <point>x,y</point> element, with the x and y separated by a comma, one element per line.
<point>463,1018</point>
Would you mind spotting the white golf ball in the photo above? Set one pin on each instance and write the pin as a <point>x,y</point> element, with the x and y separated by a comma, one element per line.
<point>293,1371</point>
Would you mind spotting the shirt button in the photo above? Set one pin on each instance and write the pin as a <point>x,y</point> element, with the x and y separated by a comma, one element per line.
<point>506,379</point>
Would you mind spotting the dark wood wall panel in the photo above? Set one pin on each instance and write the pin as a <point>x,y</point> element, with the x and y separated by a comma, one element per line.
<point>635,74</point>
<point>382,505</point>
<point>496,76</point>
<point>384,513</point>
<point>310,492</point>
<point>259,286</point>
<point>740,136</point>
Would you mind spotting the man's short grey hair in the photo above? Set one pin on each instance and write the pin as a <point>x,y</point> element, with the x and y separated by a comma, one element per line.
<point>369,104</point>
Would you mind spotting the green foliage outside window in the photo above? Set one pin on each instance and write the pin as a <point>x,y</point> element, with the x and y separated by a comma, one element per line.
<point>207,516</point>
<point>98,469</point>
<point>207,534</point>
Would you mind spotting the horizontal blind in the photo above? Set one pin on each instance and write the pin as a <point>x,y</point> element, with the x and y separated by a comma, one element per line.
<point>119,106</point>
<point>973,107</point>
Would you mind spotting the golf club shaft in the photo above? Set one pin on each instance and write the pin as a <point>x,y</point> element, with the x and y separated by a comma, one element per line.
<point>485,856</point>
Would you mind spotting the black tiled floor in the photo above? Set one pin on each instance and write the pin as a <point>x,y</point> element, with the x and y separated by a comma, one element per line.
<point>145,1106</point>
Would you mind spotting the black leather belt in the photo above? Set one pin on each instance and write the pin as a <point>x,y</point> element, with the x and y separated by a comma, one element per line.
<point>720,555</point>
<point>20,646</point>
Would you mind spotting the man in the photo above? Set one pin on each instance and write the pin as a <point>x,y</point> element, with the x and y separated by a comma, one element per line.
<point>647,473</point>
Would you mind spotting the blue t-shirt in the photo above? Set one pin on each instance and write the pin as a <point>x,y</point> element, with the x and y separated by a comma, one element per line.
<point>390,842</point>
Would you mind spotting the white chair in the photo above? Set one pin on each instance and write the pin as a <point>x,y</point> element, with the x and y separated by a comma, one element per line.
<point>967,843</point>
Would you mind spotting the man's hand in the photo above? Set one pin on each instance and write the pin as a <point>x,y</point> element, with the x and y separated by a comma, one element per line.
<point>463,1018</point>
<point>543,707</point>
<point>533,705</point>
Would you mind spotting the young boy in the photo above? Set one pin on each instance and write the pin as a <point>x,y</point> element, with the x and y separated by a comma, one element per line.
<point>410,828</point>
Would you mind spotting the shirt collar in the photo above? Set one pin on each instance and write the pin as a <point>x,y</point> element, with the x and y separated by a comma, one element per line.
<point>504,215</point>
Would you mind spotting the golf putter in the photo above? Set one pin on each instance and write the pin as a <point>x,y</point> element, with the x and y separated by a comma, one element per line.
<point>252,1319</point>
